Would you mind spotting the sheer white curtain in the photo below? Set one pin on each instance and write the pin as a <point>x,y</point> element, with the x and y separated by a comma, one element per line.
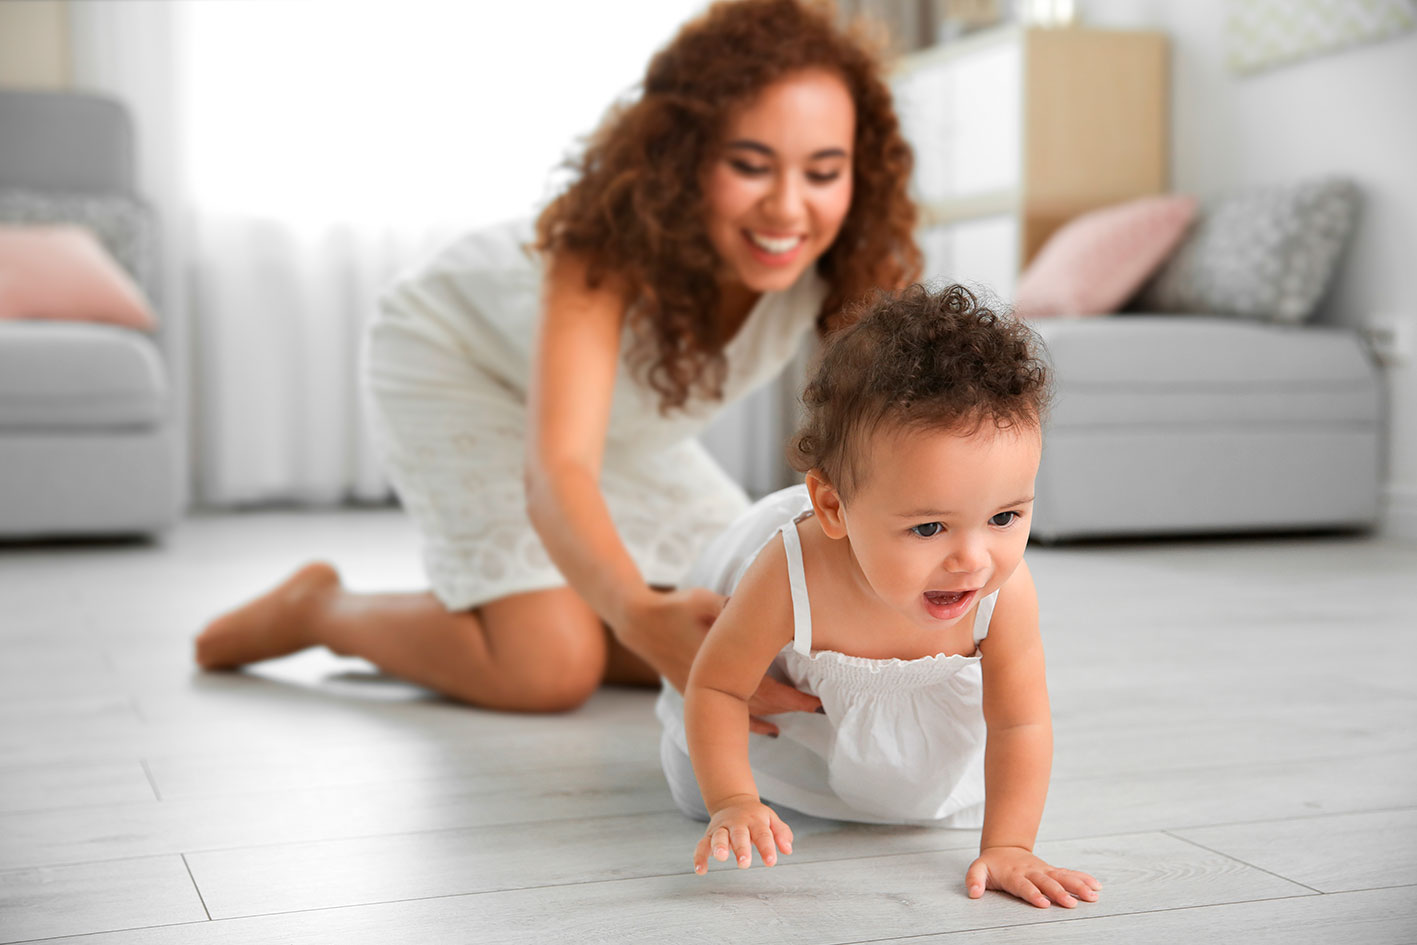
<point>300,154</point>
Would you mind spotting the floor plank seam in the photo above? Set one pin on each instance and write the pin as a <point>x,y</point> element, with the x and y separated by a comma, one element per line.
<point>200,898</point>
<point>1363,889</point>
<point>437,830</point>
<point>79,935</point>
<point>1091,918</point>
<point>634,879</point>
<point>653,876</point>
<point>947,845</point>
<point>210,797</point>
<point>1218,768</point>
<point>1279,820</point>
<point>1244,862</point>
<point>287,790</point>
<point>152,782</point>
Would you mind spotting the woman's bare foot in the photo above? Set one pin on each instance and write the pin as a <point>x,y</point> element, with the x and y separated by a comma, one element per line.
<point>275,624</point>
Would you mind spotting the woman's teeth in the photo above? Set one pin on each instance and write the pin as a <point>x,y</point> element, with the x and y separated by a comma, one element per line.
<point>774,244</point>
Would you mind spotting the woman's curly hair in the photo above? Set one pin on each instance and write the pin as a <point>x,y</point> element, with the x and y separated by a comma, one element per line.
<point>635,210</point>
<point>922,359</point>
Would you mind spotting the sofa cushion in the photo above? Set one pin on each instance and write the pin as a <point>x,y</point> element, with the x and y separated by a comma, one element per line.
<point>76,375</point>
<point>1096,262</point>
<point>61,272</point>
<point>1152,370</point>
<point>1264,254</point>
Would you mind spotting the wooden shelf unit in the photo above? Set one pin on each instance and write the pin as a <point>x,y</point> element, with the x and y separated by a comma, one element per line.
<point>1017,130</point>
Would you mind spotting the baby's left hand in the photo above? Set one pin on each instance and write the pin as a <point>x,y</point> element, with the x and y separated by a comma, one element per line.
<point>1018,872</point>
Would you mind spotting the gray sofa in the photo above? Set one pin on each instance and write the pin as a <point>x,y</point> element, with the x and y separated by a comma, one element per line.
<point>89,434</point>
<point>1189,424</point>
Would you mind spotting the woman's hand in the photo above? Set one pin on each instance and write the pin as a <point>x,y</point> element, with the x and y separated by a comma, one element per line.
<point>1018,872</point>
<point>666,629</point>
<point>772,697</point>
<point>742,823</point>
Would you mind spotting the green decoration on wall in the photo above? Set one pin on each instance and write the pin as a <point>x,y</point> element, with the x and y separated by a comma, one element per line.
<point>1262,34</point>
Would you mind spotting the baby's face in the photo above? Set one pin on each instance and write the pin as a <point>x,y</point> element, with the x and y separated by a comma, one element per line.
<point>941,519</point>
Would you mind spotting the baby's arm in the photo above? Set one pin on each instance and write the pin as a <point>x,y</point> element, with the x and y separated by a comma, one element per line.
<point>1018,757</point>
<point>754,626</point>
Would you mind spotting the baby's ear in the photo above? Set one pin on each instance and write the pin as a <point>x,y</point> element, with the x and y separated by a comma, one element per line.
<point>826,503</point>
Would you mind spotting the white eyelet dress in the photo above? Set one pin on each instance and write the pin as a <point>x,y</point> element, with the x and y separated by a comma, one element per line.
<point>901,741</point>
<point>447,367</point>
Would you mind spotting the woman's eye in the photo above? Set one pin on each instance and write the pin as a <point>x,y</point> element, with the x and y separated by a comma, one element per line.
<point>1003,519</point>
<point>750,170</point>
<point>928,530</point>
<point>823,177</point>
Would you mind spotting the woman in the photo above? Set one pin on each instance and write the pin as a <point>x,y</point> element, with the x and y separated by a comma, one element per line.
<point>538,394</point>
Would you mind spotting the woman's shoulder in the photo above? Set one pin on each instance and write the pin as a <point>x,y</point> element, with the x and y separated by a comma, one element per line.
<point>500,248</point>
<point>493,273</point>
<point>497,254</point>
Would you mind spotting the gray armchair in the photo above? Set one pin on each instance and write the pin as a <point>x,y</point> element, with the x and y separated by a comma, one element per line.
<point>89,434</point>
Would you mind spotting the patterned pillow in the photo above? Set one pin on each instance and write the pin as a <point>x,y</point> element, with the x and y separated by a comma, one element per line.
<point>1265,254</point>
<point>123,225</point>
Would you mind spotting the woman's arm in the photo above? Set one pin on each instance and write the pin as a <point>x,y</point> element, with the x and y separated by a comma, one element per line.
<point>573,381</point>
<point>755,625</point>
<point>1018,757</point>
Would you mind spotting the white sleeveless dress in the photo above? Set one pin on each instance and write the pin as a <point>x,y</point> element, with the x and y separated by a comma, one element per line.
<point>447,367</point>
<point>900,741</point>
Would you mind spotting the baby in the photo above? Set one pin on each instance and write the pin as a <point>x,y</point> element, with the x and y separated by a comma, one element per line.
<point>892,586</point>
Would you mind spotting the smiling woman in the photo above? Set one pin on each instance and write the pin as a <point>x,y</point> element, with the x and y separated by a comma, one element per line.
<point>537,392</point>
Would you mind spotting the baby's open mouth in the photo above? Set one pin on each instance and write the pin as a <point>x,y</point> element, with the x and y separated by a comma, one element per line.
<point>945,598</point>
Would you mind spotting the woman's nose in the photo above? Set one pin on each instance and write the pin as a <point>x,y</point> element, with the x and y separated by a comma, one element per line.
<point>785,202</point>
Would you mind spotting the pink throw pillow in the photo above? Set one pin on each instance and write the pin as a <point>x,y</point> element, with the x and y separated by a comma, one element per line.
<point>1097,261</point>
<point>63,272</point>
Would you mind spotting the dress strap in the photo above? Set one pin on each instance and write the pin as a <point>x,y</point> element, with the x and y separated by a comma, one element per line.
<point>982,615</point>
<point>797,581</point>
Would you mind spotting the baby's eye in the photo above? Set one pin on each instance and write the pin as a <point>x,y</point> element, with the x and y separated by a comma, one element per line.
<point>928,530</point>
<point>1003,519</point>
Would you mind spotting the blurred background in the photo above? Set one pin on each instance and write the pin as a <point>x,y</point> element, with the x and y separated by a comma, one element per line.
<point>294,156</point>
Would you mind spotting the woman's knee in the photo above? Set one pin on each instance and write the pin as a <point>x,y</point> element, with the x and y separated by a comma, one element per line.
<point>549,651</point>
<point>566,674</point>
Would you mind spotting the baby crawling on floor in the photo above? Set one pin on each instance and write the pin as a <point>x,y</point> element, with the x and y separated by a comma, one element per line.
<point>892,586</point>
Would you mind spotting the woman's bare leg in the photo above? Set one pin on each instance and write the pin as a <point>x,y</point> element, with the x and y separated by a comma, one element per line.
<point>542,651</point>
<point>624,668</point>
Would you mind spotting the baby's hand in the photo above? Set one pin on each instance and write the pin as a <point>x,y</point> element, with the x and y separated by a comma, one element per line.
<point>742,823</point>
<point>1018,872</point>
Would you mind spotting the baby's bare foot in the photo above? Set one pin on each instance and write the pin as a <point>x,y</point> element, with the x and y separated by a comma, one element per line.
<point>275,624</point>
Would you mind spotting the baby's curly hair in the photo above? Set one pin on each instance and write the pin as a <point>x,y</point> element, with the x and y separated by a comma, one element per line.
<point>635,210</point>
<point>921,359</point>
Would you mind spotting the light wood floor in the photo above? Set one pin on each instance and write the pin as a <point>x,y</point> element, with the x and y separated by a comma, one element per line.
<point>1236,760</point>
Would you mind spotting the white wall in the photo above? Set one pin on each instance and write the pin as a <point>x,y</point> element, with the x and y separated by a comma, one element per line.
<point>1347,112</point>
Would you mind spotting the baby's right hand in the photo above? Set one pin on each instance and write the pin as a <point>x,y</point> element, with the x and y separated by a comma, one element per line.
<point>741,823</point>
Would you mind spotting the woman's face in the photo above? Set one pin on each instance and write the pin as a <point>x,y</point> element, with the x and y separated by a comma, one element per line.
<point>780,186</point>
